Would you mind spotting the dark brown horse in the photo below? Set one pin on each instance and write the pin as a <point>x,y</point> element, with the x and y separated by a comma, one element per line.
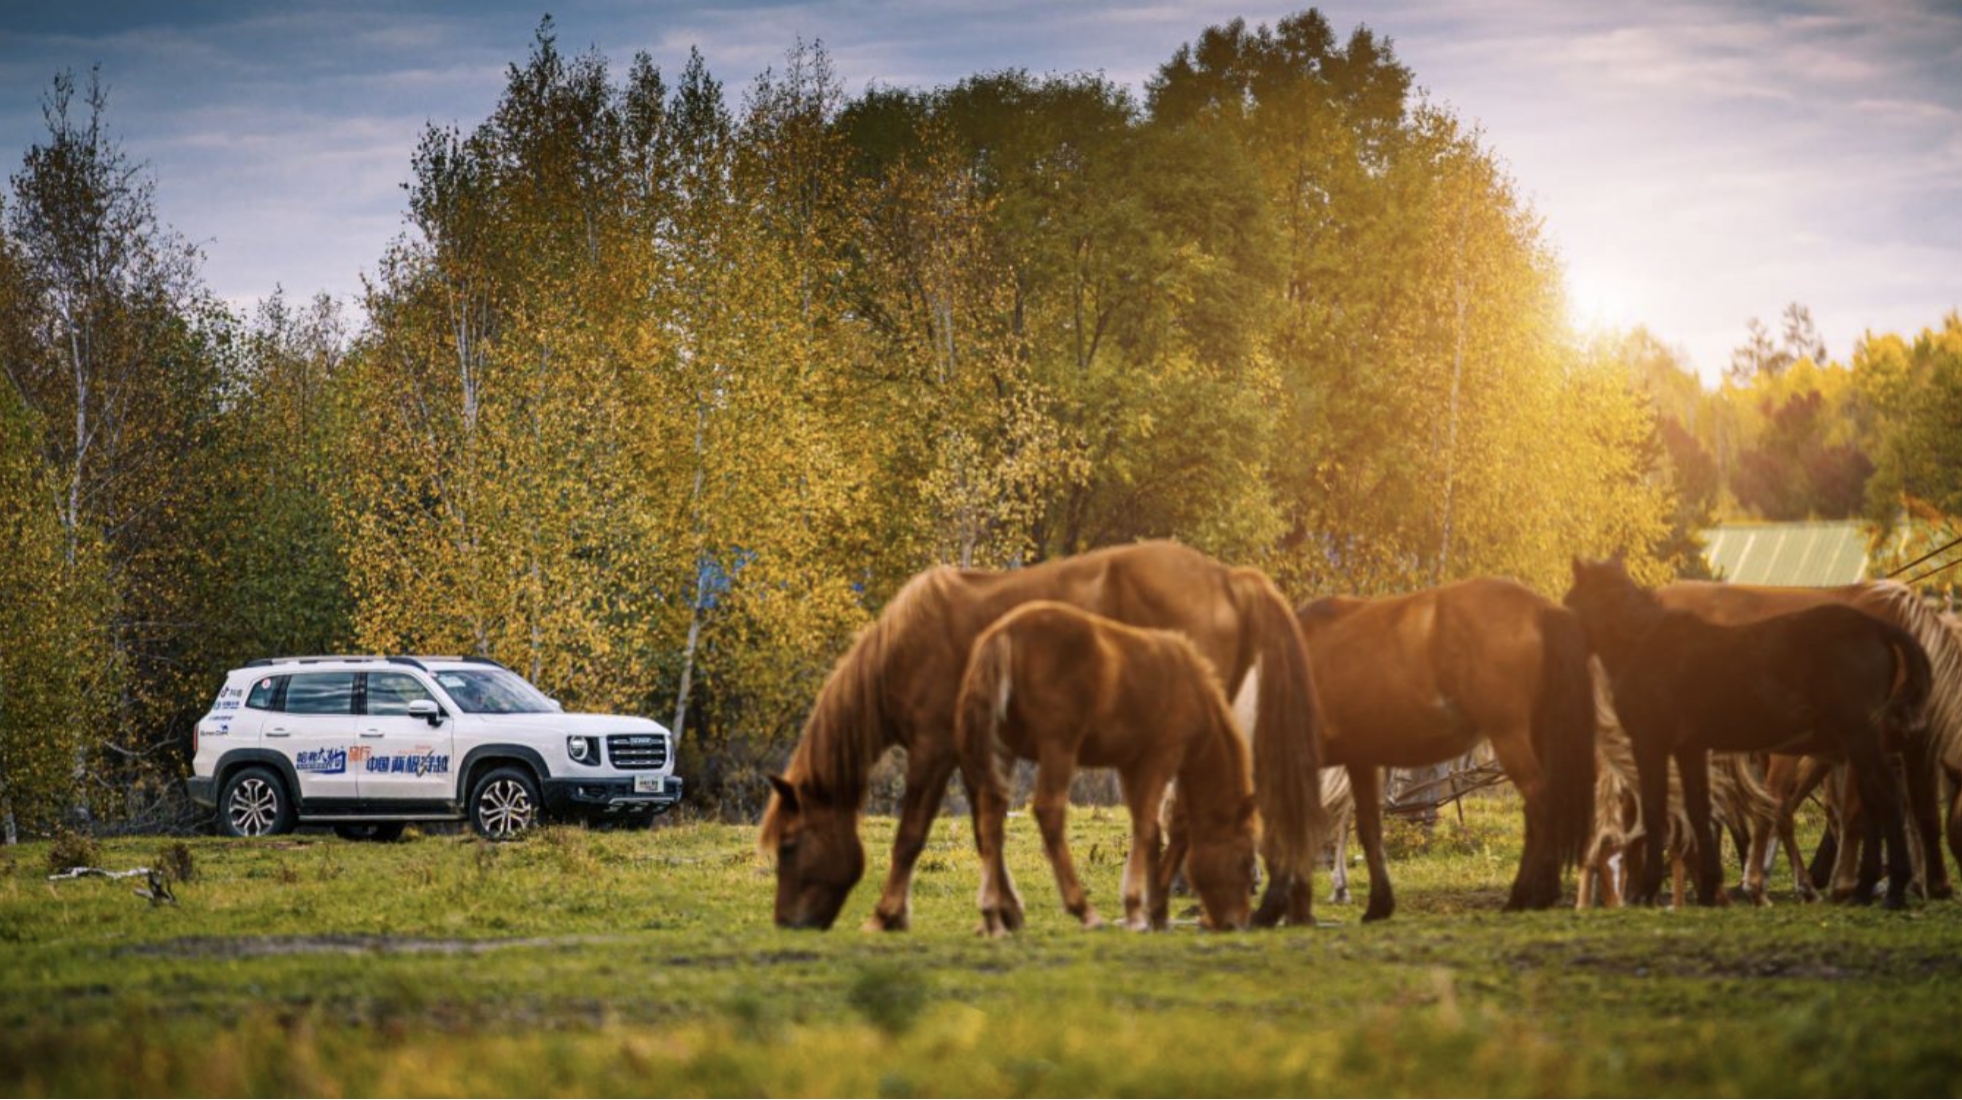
<point>1069,689</point>
<point>1420,679</point>
<point>1821,681</point>
<point>895,687</point>
<point>1930,752</point>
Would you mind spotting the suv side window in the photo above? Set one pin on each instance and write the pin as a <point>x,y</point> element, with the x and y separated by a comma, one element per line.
<point>392,692</point>
<point>320,693</point>
<point>265,693</point>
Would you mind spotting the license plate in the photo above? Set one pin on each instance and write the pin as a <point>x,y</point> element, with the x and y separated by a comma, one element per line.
<point>649,784</point>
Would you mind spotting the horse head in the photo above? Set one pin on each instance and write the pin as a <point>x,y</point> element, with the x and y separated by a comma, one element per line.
<point>1221,870</point>
<point>819,857</point>
<point>1614,611</point>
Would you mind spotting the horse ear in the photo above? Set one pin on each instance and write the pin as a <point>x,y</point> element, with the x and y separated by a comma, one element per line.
<point>785,791</point>
<point>1579,565</point>
<point>1620,559</point>
<point>1249,806</point>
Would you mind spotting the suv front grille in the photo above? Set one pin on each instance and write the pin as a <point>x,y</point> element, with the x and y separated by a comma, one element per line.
<point>637,751</point>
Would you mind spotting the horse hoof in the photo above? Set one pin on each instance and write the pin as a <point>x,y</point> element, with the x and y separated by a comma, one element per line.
<point>1894,903</point>
<point>1376,913</point>
<point>1092,922</point>
<point>1341,897</point>
<point>1942,892</point>
<point>883,922</point>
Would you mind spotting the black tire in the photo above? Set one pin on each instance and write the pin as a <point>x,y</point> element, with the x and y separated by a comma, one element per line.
<point>381,832</point>
<point>255,802</point>
<point>504,803</point>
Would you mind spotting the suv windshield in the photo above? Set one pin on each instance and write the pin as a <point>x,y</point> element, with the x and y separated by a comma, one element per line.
<point>493,691</point>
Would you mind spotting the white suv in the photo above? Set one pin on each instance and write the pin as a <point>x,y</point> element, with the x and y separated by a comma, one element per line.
<point>367,744</point>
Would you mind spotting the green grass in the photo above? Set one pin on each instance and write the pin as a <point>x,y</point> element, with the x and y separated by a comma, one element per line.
<point>646,963</point>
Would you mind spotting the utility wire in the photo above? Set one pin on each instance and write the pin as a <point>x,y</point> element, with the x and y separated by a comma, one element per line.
<point>1957,541</point>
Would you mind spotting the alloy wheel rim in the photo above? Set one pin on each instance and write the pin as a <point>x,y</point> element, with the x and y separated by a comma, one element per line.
<point>254,807</point>
<point>505,808</point>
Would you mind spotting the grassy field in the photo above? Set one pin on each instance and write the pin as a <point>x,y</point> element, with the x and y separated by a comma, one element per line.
<point>646,963</point>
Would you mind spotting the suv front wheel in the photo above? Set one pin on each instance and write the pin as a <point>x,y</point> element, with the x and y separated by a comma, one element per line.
<point>504,802</point>
<point>254,803</point>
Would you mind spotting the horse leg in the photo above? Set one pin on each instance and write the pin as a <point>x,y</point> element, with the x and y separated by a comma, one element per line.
<point>1757,860</point>
<point>1052,797</point>
<point>1178,840</point>
<point>1537,883</point>
<point>1924,789</point>
<point>1339,873</point>
<point>1693,766</point>
<point>1885,819</point>
<point>1366,781</point>
<point>1001,907</point>
<point>1144,792</point>
<point>927,771</point>
<point>1955,819</point>
<point>1852,838</point>
<point>1652,773</point>
<point>1807,773</point>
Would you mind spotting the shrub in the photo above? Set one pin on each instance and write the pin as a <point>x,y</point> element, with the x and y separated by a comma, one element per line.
<point>71,848</point>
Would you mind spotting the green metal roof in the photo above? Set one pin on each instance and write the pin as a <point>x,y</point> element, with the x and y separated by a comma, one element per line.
<point>1806,555</point>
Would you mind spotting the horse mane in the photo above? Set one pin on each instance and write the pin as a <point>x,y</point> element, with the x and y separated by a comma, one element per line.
<point>1900,605</point>
<point>846,731</point>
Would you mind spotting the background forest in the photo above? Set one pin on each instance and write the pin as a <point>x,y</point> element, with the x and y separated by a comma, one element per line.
<point>664,389</point>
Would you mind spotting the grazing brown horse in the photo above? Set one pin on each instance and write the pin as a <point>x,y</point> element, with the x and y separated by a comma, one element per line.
<point>895,687</point>
<point>1069,689</point>
<point>1821,681</point>
<point>1412,680</point>
<point>1938,748</point>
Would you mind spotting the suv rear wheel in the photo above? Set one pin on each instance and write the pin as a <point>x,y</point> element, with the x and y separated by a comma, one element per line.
<point>254,803</point>
<point>504,802</point>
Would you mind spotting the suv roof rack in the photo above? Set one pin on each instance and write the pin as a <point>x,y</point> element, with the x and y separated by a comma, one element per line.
<point>412,662</point>
<point>315,660</point>
<point>481,660</point>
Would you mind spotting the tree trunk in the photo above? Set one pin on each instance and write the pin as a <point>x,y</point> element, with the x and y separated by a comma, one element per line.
<point>701,576</point>
<point>1442,568</point>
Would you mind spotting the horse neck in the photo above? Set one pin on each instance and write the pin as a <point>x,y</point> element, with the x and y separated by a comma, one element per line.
<point>1630,624</point>
<point>1214,779</point>
<point>848,730</point>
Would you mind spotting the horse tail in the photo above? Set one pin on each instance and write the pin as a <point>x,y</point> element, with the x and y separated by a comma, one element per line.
<point>1287,734</point>
<point>1907,708</point>
<point>1615,781</point>
<point>983,704</point>
<point>1563,732</point>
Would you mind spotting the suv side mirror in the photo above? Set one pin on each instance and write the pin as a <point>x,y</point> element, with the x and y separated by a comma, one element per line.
<point>556,705</point>
<point>427,710</point>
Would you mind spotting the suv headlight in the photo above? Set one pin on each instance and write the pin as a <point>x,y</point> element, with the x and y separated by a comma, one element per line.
<point>583,750</point>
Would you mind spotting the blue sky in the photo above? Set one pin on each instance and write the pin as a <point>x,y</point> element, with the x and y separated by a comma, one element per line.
<point>1695,164</point>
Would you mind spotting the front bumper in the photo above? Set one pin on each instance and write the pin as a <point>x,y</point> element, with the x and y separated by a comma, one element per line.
<point>203,791</point>
<point>608,796</point>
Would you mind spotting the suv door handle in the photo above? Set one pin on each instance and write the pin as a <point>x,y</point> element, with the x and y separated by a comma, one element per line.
<point>278,731</point>
<point>371,733</point>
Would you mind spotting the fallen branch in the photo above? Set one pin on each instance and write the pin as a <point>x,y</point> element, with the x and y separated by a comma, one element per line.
<point>158,893</point>
<point>97,872</point>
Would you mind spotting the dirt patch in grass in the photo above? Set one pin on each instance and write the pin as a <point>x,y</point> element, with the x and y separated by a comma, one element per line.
<point>1767,960</point>
<point>257,947</point>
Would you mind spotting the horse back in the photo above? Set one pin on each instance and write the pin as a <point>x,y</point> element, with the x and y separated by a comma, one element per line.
<point>1439,663</point>
<point>1782,683</point>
